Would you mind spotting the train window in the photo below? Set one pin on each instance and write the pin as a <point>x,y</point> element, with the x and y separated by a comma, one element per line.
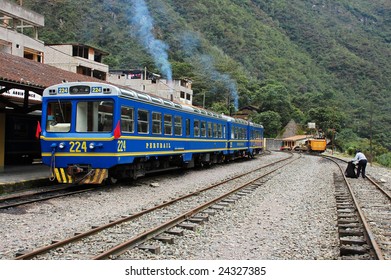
<point>94,116</point>
<point>127,119</point>
<point>209,130</point>
<point>215,132</point>
<point>142,121</point>
<point>167,124</point>
<point>156,123</point>
<point>224,135</point>
<point>196,128</point>
<point>59,114</point>
<point>178,126</point>
<point>203,129</point>
<point>187,127</point>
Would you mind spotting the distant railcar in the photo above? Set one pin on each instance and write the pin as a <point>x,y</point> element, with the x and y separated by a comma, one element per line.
<point>317,145</point>
<point>93,132</point>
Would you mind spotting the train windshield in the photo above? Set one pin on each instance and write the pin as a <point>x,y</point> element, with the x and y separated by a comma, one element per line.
<point>94,116</point>
<point>59,115</point>
<point>91,116</point>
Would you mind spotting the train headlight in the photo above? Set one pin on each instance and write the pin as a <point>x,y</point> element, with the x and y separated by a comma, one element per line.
<point>61,145</point>
<point>93,145</point>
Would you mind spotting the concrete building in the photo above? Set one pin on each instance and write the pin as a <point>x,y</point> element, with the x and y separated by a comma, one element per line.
<point>142,80</point>
<point>245,112</point>
<point>19,31</point>
<point>77,58</point>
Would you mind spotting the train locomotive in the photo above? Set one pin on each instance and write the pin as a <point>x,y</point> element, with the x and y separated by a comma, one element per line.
<point>95,132</point>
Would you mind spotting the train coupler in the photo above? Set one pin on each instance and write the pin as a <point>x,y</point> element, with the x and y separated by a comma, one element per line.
<point>78,174</point>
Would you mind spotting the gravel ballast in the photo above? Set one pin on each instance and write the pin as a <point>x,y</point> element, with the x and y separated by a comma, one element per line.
<point>291,216</point>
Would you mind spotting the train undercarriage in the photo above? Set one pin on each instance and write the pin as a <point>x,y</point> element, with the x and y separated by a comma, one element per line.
<point>85,174</point>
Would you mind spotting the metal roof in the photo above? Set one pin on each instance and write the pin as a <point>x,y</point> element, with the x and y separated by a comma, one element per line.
<point>22,73</point>
<point>297,137</point>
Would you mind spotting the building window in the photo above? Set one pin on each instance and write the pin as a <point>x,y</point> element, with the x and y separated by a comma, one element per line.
<point>98,57</point>
<point>84,71</point>
<point>80,51</point>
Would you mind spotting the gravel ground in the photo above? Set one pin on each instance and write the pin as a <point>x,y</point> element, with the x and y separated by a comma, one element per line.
<point>292,216</point>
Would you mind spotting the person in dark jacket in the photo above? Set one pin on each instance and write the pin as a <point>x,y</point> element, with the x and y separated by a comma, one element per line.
<point>361,162</point>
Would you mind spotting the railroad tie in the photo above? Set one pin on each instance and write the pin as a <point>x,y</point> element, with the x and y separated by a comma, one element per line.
<point>194,220</point>
<point>188,226</point>
<point>353,250</point>
<point>155,249</point>
<point>175,231</point>
<point>165,239</point>
<point>209,212</point>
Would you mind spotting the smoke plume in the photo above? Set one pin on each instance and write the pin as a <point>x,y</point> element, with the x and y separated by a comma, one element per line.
<point>143,23</point>
<point>192,48</point>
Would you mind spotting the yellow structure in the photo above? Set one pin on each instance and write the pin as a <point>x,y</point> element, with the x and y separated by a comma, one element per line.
<point>317,145</point>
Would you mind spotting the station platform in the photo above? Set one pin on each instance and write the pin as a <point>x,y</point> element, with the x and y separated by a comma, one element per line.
<point>22,177</point>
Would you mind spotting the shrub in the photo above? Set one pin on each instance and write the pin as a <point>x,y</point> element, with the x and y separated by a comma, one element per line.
<point>384,159</point>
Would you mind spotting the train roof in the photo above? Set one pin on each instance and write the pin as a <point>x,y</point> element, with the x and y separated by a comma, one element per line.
<point>106,89</point>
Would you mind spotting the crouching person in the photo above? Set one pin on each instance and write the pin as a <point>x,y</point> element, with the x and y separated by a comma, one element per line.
<point>361,162</point>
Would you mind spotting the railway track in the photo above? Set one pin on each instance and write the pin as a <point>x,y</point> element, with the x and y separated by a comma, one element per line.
<point>364,217</point>
<point>18,199</point>
<point>46,193</point>
<point>161,222</point>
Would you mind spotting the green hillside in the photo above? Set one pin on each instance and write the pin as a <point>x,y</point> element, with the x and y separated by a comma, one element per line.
<point>311,60</point>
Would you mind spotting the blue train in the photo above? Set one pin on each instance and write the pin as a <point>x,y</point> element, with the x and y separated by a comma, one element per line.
<point>94,132</point>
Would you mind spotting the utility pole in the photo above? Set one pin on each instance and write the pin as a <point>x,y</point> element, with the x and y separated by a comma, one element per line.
<point>370,133</point>
<point>332,140</point>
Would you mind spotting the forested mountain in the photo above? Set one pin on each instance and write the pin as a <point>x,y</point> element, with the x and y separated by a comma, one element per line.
<point>323,61</point>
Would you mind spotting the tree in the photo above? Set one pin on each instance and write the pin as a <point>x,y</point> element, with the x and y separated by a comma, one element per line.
<point>271,122</point>
<point>275,97</point>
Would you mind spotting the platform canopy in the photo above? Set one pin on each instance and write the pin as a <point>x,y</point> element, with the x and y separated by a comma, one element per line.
<point>21,74</point>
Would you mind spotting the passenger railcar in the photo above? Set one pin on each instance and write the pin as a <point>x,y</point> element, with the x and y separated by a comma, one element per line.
<point>95,131</point>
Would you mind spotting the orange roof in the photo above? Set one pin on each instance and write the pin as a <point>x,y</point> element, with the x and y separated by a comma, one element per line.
<point>297,137</point>
<point>19,71</point>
